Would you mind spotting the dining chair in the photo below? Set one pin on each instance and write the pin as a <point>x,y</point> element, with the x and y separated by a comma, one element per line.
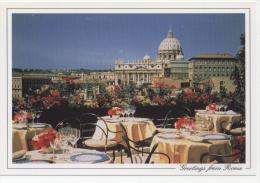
<point>236,128</point>
<point>220,158</point>
<point>237,132</point>
<point>104,144</point>
<point>165,120</point>
<point>129,148</point>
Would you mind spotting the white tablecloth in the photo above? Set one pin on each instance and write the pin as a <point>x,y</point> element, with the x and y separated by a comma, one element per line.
<point>38,155</point>
<point>137,128</point>
<point>218,118</point>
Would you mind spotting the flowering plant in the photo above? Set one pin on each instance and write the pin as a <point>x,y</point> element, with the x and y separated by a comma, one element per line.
<point>22,116</point>
<point>184,123</point>
<point>212,107</point>
<point>44,139</point>
<point>115,111</point>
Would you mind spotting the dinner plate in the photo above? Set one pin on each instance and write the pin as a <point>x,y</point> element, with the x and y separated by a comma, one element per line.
<point>38,125</point>
<point>220,112</point>
<point>33,161</point>
<point>19,126</point>
<point>218,136</point>
<point>168,136</point>
<point>90,157</point>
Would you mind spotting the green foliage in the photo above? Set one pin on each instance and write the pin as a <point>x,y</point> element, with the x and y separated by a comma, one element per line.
<point>238,76</point>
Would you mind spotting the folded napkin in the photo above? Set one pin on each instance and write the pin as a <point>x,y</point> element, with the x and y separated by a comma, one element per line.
<point>231,112</point>
<point>18,154</point>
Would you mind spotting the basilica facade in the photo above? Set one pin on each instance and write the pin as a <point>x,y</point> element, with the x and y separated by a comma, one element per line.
<point>170,63</point>
<point>145,70</point>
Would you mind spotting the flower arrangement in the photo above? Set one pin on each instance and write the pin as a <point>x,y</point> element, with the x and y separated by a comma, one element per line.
<point>22,116</point>
<point>115,111</point>
<point>212,107</point>
<point>43,140</point>
<point>185,123</point>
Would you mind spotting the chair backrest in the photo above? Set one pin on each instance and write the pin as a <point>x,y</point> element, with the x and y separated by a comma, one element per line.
<point>129,147</point>
<point>68,122</point>
<point>86,124</point>
<point>127,142</point>
<point>151,153</point>
<point>166,119</point>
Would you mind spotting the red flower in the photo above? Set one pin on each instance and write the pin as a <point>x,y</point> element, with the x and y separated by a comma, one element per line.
<point>184,122</point>
<point>33,100</point>
<point>242,139</point>
<point>43,139</point>
<point>212,106</point>
<point>55,93</point>
<point>115,111</point>
<point>29,115</point>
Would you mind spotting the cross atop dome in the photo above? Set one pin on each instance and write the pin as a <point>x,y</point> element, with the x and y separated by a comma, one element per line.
<point>170,33</point>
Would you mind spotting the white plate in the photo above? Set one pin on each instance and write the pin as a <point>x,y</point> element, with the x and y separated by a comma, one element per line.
<point>38,125</point>
<point>168,136</point>
<point>90,157</point>
<point>19,126</point>
<point>218,136</point>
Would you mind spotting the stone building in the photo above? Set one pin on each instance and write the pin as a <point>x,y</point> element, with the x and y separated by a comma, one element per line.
<point>17,87</point>
<point>145,70</point>
<point>138,72</point>
<point>215,67</point>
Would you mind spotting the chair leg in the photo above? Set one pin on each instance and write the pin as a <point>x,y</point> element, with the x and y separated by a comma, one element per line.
<point>121,156</point>
<point>142,150</point>
<point>114,156</point>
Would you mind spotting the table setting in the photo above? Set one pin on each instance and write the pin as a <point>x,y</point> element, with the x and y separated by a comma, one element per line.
<point>188,143</point>
<point>217,114</point>
<point>53,146</point>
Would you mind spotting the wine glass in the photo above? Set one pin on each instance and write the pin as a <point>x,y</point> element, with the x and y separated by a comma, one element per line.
<point>209,124</point>
<point>38,115</point>
<point>132,111</point>
<point>54,144</point>
<point>33,116</point>
<point>63,144</point>
<point>74,137</point>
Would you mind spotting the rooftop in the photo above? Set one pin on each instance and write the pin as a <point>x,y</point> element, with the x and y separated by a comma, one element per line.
<point>214,56</point>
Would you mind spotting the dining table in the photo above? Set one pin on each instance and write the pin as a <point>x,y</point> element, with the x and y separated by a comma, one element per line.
<point>218,117</point>
<point>74,155</point>
<point>190,148</point>
<point>137,128</point>
<point>22,134</point>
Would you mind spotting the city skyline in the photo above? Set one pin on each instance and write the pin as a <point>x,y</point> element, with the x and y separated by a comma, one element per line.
<point>96,41</point>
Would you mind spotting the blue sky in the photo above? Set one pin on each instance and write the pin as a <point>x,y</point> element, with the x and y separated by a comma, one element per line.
<point>95,41</point>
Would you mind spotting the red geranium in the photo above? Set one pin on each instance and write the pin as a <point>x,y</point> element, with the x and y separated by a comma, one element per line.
<point>212,107</point>
<point>43,139</point>
<point>115,111</point>
<point>184,122</point>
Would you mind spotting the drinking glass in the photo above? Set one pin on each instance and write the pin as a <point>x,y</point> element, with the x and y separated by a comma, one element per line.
<point>209,124</point>
<point>54,144</point>
<point>74,137</point>
<point>33,116</point>
<point>63,145</point>
<point>38,115</point>
<point>132,111</point>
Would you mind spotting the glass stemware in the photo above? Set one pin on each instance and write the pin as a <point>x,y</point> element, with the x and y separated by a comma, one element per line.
<point>74,137</point>
<point>64,146</point>
<point>38,115</point>
<point>54,144</point>
<point>132,111</point>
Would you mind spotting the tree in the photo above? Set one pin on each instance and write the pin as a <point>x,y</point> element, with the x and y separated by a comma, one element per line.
<point>238,76</point>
